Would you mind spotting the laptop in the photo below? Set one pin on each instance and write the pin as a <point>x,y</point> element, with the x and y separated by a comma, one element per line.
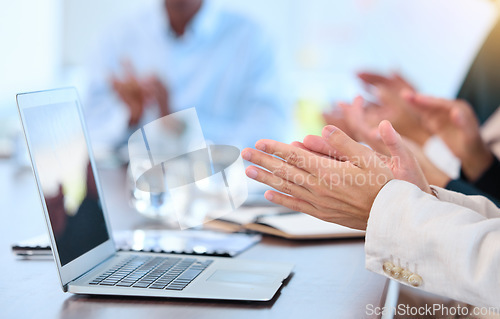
<point>80,233</point>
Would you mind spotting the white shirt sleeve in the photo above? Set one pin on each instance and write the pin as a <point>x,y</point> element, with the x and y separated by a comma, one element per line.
<point>449,249</point>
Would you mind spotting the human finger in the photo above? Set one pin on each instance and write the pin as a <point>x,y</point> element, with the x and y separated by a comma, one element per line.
<point>302,146</point>
<point>354,115</point>
<point>357,117</point>
<point>276,165</point>
<point>128,68</point>
<point>393,142</point>
<point>375,141</point>
<point>298,188</point>
<point>397,77</point>
<point>353,112</point>
<point>290,202</point>
<point>292,155</point>
<point>116,83</point>
<point>318,145</point>
<point>403,162</point>
<point>298,144</point>
<point>373,78</point>
<point>344,147</point>
<point>427,103</point>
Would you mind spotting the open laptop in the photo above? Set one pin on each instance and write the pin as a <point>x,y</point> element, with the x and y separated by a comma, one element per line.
<point>80,234</point>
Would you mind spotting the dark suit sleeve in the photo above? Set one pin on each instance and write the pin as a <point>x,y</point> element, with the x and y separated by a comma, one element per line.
<point>481,87</point>
<point>490,180</point>
<point>488,185</point>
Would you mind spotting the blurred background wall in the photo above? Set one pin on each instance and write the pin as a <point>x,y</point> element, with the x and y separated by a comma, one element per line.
<point>321,45</point>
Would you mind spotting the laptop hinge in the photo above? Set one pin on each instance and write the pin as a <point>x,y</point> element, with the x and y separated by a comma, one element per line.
<point>65,287</point>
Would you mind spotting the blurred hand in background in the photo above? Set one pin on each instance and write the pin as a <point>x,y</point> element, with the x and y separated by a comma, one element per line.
<point>456,124</point>
<point>360,121</point>
<point>363,124</point>
<point>139,93</point>
<point>391,106</point>
<point>432,173</point>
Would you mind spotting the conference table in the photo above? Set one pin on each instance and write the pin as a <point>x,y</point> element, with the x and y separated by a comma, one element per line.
<point>329,279</point>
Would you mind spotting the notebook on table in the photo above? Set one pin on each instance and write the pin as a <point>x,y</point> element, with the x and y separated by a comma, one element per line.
<point>75,213</point>
<point>283,223</point>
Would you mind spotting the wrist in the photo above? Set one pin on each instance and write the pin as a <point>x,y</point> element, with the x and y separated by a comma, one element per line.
<point>439,179</point>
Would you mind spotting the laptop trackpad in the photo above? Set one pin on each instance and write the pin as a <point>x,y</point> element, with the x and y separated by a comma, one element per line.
<point>232,276</point>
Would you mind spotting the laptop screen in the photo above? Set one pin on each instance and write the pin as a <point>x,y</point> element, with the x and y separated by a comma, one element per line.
<point>60,155</point>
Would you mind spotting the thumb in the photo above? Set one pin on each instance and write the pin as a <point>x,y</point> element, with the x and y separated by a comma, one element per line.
<point>393,141</point>
<point>405,166</point>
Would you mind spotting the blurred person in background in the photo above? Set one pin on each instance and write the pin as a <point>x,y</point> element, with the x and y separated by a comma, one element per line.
<point>419,118</point>
<point>455,123</point>
<point>178,54</point>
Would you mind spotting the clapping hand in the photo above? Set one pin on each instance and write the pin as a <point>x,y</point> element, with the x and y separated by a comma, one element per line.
<point>392,106</point>
<point>332,177</point>
<point>360,121</point>
<point>137,93</point>
<point>455,123</point>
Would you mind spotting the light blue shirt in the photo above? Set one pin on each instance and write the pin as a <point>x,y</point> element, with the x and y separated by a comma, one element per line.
<point>223,66</point>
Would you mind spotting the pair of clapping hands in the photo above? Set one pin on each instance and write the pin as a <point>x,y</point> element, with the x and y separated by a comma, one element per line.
<point>417,117</point>
<point>137,93</point>
<point>332,177</point>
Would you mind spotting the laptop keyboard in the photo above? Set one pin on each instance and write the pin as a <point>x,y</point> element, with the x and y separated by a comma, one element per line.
<point>153,272</point>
